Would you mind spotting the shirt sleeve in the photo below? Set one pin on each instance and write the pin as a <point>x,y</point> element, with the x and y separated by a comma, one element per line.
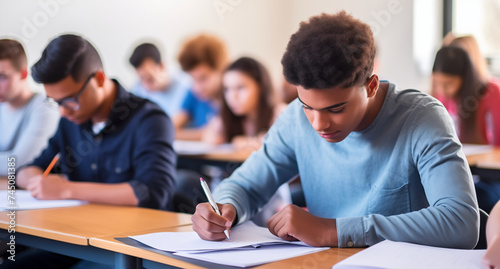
<point>187,104</point>
<point>52,149</point>
<point>41,126</point>
<point>154,161</point>
<point>137,89</point>
<point>452,218</point>
<point>257,179</point>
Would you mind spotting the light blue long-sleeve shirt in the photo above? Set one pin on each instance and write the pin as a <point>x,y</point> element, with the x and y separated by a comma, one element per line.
<point>169,99</point>
<point>25,131</point>
<point>403,178</point>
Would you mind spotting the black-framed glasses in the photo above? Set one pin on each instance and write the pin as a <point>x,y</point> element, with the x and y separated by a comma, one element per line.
<point>70,103</point>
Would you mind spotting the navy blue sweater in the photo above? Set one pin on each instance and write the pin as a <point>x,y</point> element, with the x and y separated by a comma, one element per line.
<point>135,146</point>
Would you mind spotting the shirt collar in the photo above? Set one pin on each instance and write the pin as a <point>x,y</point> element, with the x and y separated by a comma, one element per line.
<point>123,106</point>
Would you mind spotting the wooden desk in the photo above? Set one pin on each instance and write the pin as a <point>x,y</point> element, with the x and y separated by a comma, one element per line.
<point>3,183</point>
<point>68,230</point>
<point>109,243</point>
<point>236,157</point>
<point>323,259</point>
<point>490,160</point>
<point>226,162</point>
<point>76,225</point>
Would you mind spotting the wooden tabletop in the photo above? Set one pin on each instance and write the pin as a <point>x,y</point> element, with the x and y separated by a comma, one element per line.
<point>489,160</point>
<point>323,259</point>
<point>78,224</point>
<point>237,156</point>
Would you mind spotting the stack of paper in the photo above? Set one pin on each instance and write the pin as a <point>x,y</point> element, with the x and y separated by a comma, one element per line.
<point>20,200</point>
<point>389,254</point>
<point>249,245</point>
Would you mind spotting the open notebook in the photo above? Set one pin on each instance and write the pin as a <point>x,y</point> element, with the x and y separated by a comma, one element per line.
<point>249,245</point>
<point>21,199</point>
<point>396,255</point>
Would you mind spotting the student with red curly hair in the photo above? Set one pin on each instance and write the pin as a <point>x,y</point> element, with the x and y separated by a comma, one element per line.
<point>375,162</point>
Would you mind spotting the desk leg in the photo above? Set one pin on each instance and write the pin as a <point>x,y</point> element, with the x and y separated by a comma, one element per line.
<point>123,261</point>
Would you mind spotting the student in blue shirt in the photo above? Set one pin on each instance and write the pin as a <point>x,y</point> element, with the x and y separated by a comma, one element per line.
<point>155,83</point>
<point>204,58</point>
<point>375,162</point>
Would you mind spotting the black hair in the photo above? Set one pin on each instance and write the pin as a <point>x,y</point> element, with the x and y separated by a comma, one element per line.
<point>66,55</point>
<point>329,51</point>
<point>143,52</point>
<point>455,61</point>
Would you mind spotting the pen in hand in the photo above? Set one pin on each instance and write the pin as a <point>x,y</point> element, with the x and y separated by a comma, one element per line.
<point>211,200</point>
<point>51,165</point>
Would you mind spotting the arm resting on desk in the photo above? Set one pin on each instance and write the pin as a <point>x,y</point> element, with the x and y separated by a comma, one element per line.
<point>24,175</point>
<point>58,187</point>
<point>113,194</point>
<point>181,133</point>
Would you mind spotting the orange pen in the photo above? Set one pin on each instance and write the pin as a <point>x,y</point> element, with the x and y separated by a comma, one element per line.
<point>51,165</point>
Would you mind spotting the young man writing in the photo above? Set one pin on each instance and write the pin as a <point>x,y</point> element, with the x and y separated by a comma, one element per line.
<point>114,147</point>
<point>375,162</point>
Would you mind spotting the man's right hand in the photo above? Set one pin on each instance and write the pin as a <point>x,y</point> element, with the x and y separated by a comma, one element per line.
<point>209,225</point>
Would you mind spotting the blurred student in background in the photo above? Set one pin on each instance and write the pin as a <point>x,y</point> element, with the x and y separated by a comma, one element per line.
<point>472,101</point>
<point>248,106</point>
<point>204,58</point>
<point>469,98</point>
<point>470,45</point>
<point>26,121</point>
<point>155,83</point>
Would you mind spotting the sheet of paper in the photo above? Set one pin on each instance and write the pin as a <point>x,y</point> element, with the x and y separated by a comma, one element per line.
<point>198,148</point>
<point>246,234</point>
<point>470,149</point>
<point>252,257</point>
<point>389,254</point>
<point>22,200</point>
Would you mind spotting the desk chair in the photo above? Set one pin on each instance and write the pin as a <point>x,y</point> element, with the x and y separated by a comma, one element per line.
<point>483,218</point>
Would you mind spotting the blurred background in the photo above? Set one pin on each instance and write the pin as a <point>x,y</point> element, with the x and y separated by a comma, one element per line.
<point>408,33</point>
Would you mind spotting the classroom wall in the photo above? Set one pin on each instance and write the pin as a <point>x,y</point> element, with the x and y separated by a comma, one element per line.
<point>258,28</point>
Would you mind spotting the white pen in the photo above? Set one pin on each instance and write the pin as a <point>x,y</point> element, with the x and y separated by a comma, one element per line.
<point>211,200</point>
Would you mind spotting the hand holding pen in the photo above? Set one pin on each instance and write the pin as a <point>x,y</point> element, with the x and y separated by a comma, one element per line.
<point>209,224</point>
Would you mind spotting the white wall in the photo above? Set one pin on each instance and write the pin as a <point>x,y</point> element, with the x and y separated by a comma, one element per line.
<point>258,28</point>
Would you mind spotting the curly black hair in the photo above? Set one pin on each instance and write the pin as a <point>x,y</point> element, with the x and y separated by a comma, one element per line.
<point>330,51</point>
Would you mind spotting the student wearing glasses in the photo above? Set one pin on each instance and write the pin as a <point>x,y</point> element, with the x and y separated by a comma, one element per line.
<point>26,121</point>
<point>376,162</point>
<point>115,147</point>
